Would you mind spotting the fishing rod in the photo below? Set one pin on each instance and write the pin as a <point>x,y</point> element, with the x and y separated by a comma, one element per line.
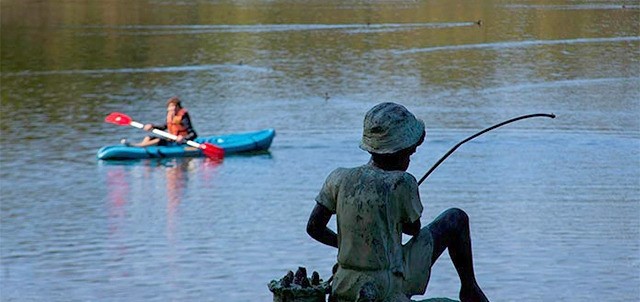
<point>478,134</point>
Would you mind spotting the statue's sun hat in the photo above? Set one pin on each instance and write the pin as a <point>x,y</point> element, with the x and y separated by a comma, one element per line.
<point>389,127</point>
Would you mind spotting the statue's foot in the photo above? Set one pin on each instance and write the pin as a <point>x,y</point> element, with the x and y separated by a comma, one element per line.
<point>472,294</point>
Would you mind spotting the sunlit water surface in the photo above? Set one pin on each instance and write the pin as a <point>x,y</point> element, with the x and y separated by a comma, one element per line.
<point>554,204</point>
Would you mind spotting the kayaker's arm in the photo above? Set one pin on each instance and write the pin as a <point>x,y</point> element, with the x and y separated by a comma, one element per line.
<point>186,123</point>
<point>150,127</point>
<point>317,226</point>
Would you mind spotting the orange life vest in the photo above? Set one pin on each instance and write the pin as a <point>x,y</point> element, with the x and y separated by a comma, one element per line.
<point>174,126</point>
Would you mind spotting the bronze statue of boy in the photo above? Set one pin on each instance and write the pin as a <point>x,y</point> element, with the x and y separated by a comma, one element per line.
<point>374,204</point>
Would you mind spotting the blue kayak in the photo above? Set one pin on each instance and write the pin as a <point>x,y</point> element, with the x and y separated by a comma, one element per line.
<point>231,143</point>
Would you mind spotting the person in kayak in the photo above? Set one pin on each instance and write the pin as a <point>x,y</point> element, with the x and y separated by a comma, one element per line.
<point>374,204</point>
<point>178,123</point>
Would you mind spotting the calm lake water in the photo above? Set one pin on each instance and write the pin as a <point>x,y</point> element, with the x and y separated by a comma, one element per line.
<point>554,204</point>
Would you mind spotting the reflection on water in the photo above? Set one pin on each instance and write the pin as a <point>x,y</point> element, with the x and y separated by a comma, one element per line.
<point>176,184</point>
<point>129,212</point>
<point>553,203</point>
<point>176,172</point>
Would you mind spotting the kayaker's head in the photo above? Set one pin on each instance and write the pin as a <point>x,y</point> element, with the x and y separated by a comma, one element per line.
<point>174,104</point>
<point>391,134</point>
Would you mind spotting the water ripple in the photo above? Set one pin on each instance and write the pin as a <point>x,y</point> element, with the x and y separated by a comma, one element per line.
<point>515,87</point>
<point>267,28</point>
<point>172,69</point>
<point>590,6</point>
<point>516,44</point>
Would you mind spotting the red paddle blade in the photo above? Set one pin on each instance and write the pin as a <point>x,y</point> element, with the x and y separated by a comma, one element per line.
<point>118,119</point>
<point>212,151</point>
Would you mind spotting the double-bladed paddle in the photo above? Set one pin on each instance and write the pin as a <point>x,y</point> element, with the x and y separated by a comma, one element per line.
<point>210,150</point>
